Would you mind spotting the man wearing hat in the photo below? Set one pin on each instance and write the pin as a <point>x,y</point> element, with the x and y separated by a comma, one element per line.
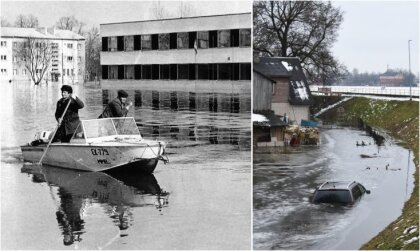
<point>70,121</point>
<point>117,107</point>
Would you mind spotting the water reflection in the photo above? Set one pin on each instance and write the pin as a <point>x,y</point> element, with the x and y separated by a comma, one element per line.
<point>74,192</point>
<point>215,118</point>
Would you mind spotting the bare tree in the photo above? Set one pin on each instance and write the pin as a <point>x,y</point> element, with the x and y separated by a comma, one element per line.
<point>5,23</point>
<point>29,21</point>
<point>92,50</point>
<point>159,11</point>
<point>35,54</point>
<point>304,29</point>
<point>185,9</point>
<point>70,23</point>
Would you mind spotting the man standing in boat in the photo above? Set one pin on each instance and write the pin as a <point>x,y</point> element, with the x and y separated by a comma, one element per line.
<point>70,121</point>
<point>117,107</point>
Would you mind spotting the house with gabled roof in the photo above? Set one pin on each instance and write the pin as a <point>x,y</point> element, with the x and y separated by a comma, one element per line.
<point>291,96</point>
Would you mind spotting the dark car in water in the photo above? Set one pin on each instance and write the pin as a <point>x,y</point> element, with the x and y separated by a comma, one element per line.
<point>339,192</point>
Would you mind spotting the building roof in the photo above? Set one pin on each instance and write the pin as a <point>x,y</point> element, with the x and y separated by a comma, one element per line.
<point>270,68</point>
<point>290,67</point>
<point>35,33</point>
<point>267,119</point>
<point>177,18</point>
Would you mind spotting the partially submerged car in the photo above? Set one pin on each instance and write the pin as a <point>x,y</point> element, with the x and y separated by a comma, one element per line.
<point>339,192</point>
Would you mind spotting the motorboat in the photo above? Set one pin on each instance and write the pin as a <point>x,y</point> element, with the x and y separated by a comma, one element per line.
<point>107,144</point>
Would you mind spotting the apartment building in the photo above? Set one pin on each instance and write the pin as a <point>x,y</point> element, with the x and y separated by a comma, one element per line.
<point>216,48</point>
<point>67,60</point>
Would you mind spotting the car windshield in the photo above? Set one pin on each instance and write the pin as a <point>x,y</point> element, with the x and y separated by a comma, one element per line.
<point>97,128</point>
<point>332,196</point>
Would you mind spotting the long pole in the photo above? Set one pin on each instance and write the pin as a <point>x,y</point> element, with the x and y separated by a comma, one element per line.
<point>409,67</point>
<point>55,131</point>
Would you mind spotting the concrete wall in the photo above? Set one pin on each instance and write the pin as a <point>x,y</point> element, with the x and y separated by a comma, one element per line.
<point>262,92</point>
<point>281,91</point>
<point>234,21</point>
<point>198,86</point>
<point>177,56</point>
<point>294,112</point>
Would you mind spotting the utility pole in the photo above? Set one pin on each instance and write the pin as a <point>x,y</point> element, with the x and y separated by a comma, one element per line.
<point>409,67</point>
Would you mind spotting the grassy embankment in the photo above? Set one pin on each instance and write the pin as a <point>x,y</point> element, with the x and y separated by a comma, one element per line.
<point>400,119</point>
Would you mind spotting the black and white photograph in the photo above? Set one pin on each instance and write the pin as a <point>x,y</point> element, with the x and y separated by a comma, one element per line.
<point>127,125</point>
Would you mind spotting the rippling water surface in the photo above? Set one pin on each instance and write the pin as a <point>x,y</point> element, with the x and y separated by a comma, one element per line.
<point>200,200</point>
<point>284,218</point>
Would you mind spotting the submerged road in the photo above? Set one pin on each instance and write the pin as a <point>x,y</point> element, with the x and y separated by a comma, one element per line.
<point>284,218</point>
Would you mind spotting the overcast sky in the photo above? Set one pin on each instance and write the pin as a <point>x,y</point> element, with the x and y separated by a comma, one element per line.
<point>374,34</point>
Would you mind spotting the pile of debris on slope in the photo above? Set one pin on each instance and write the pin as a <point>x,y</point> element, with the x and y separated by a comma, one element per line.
<point>304,135</point>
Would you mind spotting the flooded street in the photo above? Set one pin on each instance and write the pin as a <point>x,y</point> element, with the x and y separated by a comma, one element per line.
<point>200,200</point>
<point>284,218</point>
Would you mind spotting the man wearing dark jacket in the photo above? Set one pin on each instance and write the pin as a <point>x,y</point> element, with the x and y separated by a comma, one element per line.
<point>70,121</point>
<point>117,107</point>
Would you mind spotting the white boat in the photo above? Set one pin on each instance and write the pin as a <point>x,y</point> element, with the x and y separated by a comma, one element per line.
<point>103,144</point>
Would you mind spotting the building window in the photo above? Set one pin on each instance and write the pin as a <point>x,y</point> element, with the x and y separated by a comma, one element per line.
<point>137,42</point>
<point>137,71</point>
<point>163,41</point>
<point>172,40</point>
<point>212,39</point>
<point>182,71</point>
<point>3,44</point>
<point>112,44</point>
<point>15,72</point>
<point>64,72</point>
<point>69,58</point>
<point>203,39</point>
<point>70,46</point>
<point>173,71</point>
<point>79,46</point>
<point>192,37</point>
<point>105,43</point>
<point>24,71</point>
<point>104,72</point>
<point>164,71</point>
<point>15,59</point>
<point>245,37</point>
<point>146,71</point>
<point>203,71</point>
<point>15,44</point>
<point>223,71</point>
<point>183,40</point>
<point>245,71</point>
<point>155,41</point>
<point>234,38</point>
<point>68,72</point>
<point>3,71</point>
<point>120,43</point>
<point>155,71</point>
<point>113,72</point>
<point>146,42</point>
<point>3,57</point>
<point>129,72</point>
<point>224,39</point>
<point>273,88</point>
<point>129,43</point>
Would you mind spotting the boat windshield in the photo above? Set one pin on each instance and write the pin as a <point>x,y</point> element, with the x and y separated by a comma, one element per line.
<point>97,128</point>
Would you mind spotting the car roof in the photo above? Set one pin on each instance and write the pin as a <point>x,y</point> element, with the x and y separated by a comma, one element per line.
<point>336,185</point>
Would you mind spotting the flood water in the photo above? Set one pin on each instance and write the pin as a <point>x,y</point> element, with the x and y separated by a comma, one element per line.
<point>200,200</point>
<point>284,218</point>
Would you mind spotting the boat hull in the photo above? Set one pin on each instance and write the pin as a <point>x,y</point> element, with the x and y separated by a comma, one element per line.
<point>103,157</point>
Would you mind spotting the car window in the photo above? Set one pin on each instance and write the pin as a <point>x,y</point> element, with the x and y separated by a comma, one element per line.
<point>362,188</point>
<point>332,196</point>
<point>356,192</point>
